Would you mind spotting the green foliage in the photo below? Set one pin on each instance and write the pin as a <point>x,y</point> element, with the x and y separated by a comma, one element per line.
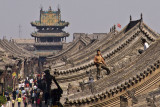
<point>2,100</point>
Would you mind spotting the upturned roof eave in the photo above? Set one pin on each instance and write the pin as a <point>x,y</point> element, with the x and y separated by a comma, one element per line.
<point>35,25</point>
<point>63,35</point>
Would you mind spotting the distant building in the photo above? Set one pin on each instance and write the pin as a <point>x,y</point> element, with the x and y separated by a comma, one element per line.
<point>49,37</point>
<point>91,36</point>
<point>27,44</point>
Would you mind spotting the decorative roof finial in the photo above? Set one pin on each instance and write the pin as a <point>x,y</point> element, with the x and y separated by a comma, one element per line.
<point>130,18</point>
<point>58,8</point>
<point>141,16</point>
<point>114,27</point>
<point>50,9</point>
<point>41,8</point>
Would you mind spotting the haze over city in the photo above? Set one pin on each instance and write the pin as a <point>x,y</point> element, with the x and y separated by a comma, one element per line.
<point>84,16</point>
<point>79,53</point>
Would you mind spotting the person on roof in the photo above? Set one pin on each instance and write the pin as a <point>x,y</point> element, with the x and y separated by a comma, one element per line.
<point>100,63</point>
<point>146,45</point>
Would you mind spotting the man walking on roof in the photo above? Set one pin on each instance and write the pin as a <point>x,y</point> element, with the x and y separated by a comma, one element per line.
<point>100,63</point>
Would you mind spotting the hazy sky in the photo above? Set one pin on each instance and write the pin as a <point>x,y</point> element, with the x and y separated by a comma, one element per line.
<point>85,16</point>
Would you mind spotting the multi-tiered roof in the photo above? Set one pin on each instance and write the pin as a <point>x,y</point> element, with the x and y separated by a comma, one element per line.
<point>130,70</point>
<point>50,20</point>
<point>49,36</point>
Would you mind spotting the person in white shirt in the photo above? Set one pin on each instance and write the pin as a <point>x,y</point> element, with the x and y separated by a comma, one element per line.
<point>23,84</point>
<point>19,85</point>
<point>34,87</point>
<point>146,45</point>
<point>31,82</point>
<point>144,42</point>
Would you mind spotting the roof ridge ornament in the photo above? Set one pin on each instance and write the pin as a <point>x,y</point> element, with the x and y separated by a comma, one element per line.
<point>141,16</point>
<point>41,8</point>
<point>58,7</point>
<point>130,18</point>
<point>141,20</point>
<point>50,9</point>
<point>114,27</point>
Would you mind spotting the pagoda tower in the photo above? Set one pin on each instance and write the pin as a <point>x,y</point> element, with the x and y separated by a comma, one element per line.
<point>49,37</point>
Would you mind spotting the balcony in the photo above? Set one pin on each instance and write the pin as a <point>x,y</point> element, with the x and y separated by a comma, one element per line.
<point>48,43</point>
<point>36,34</point>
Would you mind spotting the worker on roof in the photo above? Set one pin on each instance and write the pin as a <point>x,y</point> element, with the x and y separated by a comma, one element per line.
<point>100,63</point>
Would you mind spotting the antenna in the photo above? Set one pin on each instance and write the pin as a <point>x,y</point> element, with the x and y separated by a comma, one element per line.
<point>20,31</point>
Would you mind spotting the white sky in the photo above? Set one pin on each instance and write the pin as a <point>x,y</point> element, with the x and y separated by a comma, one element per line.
<point>85,16</point>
